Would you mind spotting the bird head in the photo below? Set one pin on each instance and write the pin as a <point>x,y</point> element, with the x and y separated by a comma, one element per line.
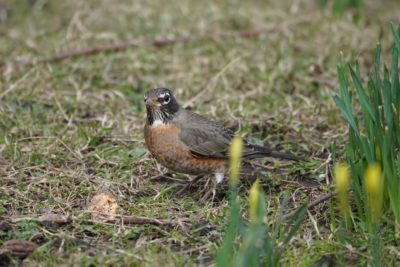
<point>161,105</point>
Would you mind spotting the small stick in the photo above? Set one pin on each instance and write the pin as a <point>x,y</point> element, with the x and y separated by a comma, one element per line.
<point>126,219</point>
<point>120,46</point>
<point>14,85</point>
<point>309,206</point>
<point>142,220</point>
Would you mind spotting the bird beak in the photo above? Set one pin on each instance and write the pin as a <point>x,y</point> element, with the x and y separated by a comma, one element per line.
<point>150,102</point>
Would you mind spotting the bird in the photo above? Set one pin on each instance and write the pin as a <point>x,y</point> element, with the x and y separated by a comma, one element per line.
<point>186,142</point>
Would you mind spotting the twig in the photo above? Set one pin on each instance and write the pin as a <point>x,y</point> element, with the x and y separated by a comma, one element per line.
<point>14,85</point>
<point>309,206</point>
<point>61,219</point>
<point>195,249</point>
<point>212,81</point>
<point>120,46</point>
<point>142,220</point>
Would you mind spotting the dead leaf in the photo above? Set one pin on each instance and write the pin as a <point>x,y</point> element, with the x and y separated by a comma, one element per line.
<point>18,248</point>
<point>4,165</point>
<point>103,206</point>
<point>5,226</point>
<point>53,218</point>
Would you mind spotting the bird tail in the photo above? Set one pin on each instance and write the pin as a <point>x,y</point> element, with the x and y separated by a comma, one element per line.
<point>261,151</point>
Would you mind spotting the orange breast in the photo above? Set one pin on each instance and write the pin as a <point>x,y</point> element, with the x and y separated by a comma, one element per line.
<point>165,145</point>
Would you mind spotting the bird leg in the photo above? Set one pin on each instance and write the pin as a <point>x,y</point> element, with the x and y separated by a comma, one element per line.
<point>207,191</point>
<point>188,185</point>
<point>218,178</point>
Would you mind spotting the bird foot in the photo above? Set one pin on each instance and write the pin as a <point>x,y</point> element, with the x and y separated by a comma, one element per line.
<point>209,191</point>
<point>188,185</point>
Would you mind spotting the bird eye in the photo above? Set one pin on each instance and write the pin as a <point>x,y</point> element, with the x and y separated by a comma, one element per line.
<point>167,98</point>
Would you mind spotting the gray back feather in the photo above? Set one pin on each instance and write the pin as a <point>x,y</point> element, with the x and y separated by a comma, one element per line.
<point>202,136</point>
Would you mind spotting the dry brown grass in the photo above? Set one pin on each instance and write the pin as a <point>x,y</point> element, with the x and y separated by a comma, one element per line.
<point>73,128</point>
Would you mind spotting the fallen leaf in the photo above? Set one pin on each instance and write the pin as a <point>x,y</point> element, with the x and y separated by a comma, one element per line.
<point>4,165</point>
<point>103,206</point>
<point>18,248</point>
<point>53,218</point>
<point>5,226</point>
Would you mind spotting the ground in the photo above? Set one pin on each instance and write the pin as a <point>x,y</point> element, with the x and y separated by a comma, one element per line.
<point>74,127</point>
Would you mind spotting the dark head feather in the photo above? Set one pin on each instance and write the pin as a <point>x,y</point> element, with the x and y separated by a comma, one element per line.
<point>160,105</point>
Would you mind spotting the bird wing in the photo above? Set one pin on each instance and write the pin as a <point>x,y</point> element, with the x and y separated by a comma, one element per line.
<point>204,138</point>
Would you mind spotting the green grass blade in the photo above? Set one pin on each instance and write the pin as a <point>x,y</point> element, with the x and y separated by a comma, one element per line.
<point>395,85</point>
<point>295,222</point>
<point>225,253</point>
<point>377,66</point>
<point>344,90</point>
<point>350,119</point>
<point>387,100</point>
<point>396,35</point>
<point>365,103</point>
<point>368,151</point>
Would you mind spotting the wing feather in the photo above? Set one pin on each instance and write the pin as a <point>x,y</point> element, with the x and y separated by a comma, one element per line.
<point>204,138</point>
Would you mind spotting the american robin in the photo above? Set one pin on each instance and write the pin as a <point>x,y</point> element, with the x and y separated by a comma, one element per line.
<point>187,142</point>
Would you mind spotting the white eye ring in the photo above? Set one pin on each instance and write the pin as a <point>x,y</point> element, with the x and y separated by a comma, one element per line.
<point>166,97</point>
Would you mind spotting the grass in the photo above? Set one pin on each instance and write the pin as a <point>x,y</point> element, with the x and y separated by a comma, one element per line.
<point>373,136</point>
<point>70,129</point>
<point>372,149</point>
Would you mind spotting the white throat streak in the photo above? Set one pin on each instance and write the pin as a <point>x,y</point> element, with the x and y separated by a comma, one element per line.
<point>158,123</point>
